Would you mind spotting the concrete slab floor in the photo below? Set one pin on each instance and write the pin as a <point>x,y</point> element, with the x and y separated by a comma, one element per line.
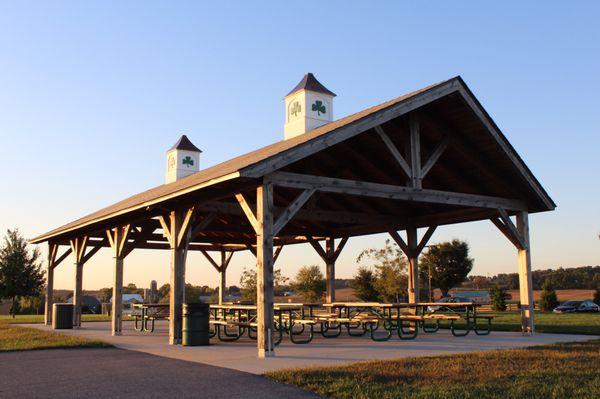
<point>241,355</point>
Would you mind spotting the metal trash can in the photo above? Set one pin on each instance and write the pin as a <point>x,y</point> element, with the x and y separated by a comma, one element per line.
<point>62,316</point>
<point>196,324</point>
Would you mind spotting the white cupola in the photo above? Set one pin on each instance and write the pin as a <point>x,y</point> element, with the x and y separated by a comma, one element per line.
<point>183,159</point>
<point>308,106</point>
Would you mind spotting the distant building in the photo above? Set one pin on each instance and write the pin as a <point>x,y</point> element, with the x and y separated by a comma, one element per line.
<point>477,296</point>
<point>129,300</point>
<point>89,304</point>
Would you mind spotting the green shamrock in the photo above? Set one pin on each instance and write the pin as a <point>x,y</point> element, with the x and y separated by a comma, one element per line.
<point>296,109</point>
<point>319,107</point>
<point>188,161</point>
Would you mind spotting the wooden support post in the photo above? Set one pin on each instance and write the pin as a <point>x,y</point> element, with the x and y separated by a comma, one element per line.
<point>78,246</point>
<point>525,279</point>
<point>329,255</point>
<point>117,239</point>
<point>264,258</point>
<point>330,270</point>
<point>415,152</point>
<point>412,250</point>
<point>52,249</point>
<point>413,265</point>
<point>176,229</point>
<point>53,261</point>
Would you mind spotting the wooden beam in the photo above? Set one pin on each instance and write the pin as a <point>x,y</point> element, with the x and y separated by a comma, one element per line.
<point>401,243</point>
<point>507,233</point>
<point>276,254</point>
<point>511,228</point>
<point>425,239</point>
<point>339,248</point>
<point>377,190</point>
<point>62,257</point>
<point>247,210</point>
<point>291,210</point>
<point>317,246</point>
<point>433,158</point>
<point>185,225</point>
<point>211,260</point>
<point>393,150</point>
<point>166,230</point>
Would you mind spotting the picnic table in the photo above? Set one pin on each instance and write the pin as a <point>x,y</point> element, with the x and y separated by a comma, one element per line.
<point>149,312</point>
<point>360,317</point>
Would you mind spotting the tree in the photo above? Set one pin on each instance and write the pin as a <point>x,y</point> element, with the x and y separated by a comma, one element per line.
<point>364,285</point>
<point>309,283</point>
<point>131,288</point>
<point>498,297</point>
<point>163,293</point>
<point>597,296</point>
<point>21,274</point>
<point>548,299</point>
<point>105,294</point>
<point>449,262</point>
<point>248,282</point>
<point>390,270</point>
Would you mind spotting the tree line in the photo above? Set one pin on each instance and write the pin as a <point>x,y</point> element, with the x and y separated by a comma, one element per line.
<point>585,277</point>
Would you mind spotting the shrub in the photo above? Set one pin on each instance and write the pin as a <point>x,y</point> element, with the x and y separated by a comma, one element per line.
<point>498,297</point>
<point>548,300</point>
<point>364,285</point>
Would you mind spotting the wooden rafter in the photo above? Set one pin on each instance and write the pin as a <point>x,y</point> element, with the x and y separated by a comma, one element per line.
<point>435,155</point>
<point>412,253</point>
<point>247,210</point>
<point>291,210</point>
<point>393,150</point>
<point>78,246</point>
<point>507,227</point>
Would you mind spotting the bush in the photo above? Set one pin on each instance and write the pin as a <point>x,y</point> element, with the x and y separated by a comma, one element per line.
<point>364,285</point>
<point>548,300</point>
<point>498,297</point>
<point>310,283</point>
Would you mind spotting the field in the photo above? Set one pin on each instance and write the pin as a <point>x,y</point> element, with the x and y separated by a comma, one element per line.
<point>571,323</point>
<point>13,338</point>
<point>552,371</point>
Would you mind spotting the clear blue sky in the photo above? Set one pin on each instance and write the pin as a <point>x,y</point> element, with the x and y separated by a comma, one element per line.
<point>93,93</point>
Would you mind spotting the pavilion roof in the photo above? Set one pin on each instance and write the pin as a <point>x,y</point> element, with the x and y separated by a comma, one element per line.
<point>293,153</point>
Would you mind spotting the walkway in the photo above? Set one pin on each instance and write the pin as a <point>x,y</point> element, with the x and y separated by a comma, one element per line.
<point>241,355</point>
<point>117,373</point>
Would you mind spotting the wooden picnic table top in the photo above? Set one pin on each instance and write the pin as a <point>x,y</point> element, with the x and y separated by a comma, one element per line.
<point>396,305</point>
<point>151,305</point>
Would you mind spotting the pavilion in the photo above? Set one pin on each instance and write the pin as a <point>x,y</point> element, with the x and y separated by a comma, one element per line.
<point>430,158</point>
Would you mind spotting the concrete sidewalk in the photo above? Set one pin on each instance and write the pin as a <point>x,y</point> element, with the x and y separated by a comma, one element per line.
<point>241,355</point>
<point>117,373</point>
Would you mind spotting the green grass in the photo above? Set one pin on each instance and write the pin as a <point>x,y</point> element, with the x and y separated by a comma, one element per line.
<point>569,323</point>
<point>17,338</point>
<point>32,319</point>
<point>551,371</point>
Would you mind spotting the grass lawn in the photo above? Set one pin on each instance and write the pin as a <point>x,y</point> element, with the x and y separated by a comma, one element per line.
<point>548,322</point>
<point>551,371</point>
<point>23,318</point>
<point>16,338</point>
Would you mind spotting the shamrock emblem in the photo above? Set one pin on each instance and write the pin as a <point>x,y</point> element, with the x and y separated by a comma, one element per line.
<point>188,161</point>
<point>319,107</point>
<point>296,108</point>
